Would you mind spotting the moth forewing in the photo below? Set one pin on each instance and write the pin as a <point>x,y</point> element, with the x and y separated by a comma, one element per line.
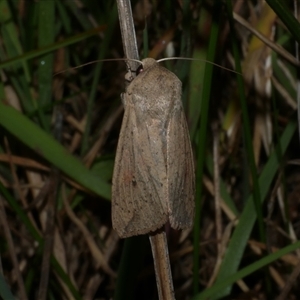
<point>181,172</point>
<point>153,177</point>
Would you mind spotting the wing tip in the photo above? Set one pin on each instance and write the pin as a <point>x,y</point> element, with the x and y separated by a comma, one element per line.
<point>126,231</point>
<point>181,224</point>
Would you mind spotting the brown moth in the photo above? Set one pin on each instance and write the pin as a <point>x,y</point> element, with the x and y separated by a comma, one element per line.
<point>154,178</point>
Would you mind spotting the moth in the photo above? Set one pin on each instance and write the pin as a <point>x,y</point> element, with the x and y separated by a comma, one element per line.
<point>154,178</point>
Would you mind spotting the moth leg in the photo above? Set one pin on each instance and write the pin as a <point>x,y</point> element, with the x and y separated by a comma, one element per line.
<point>123,99</point>
<point>128,76</point>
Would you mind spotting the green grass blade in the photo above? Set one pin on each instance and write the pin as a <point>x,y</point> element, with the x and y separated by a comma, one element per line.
<point>246,128</point>
<point>5,292</point>
<point>34,233</point>
<point>20,212</point>
<point>10,35</point>
<point>223,191</point>
<point>242,231</point>
<point>283,12</point>
<point>246,271</point>
<point>46,146</point>
<point>92,97</point>
<point>196,78</point>
<point>132,258</point>
<point>201,145</point>
<point>46,29</point>
<point>69,41</point>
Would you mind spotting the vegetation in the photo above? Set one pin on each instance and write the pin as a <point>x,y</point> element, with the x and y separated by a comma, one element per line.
<point>59,128</point>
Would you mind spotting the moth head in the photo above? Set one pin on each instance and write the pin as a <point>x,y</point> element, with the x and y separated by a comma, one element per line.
<point>146,64</point>
<point>139,70</point>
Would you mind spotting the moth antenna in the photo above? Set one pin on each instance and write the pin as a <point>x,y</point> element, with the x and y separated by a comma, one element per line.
<point>199,59</point>
<point>96,61</point>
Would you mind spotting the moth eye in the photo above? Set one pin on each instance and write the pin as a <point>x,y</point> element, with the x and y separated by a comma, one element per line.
<point>139,70</point>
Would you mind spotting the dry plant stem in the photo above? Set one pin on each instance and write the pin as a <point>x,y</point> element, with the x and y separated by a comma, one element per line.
<point>95,251</point>
<point>17,185</point>
<point>49,235</point>
<point>92,287</point>
<point>162,265</point>
<point>223,246</point>
<point>218,216</point>
<point>159,241</point>
<point>11,247</point>
<point>1,266</point>
<point>128,32</point>
<point>272,45</point>
<point>96,148</point>
<point>297,57</point>
<point>292,279</point>
<point>40,200</point>
<point>285,95</point>
<point>25,162</point>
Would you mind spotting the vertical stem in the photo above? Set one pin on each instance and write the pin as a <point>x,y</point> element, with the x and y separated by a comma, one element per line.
<point>128,32</point>
<point>12,252</point>
<point>162,266</point>
<point>48,235</point>
<point>50,215</point>
<point>218,214</point>
<point>158,240</point>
